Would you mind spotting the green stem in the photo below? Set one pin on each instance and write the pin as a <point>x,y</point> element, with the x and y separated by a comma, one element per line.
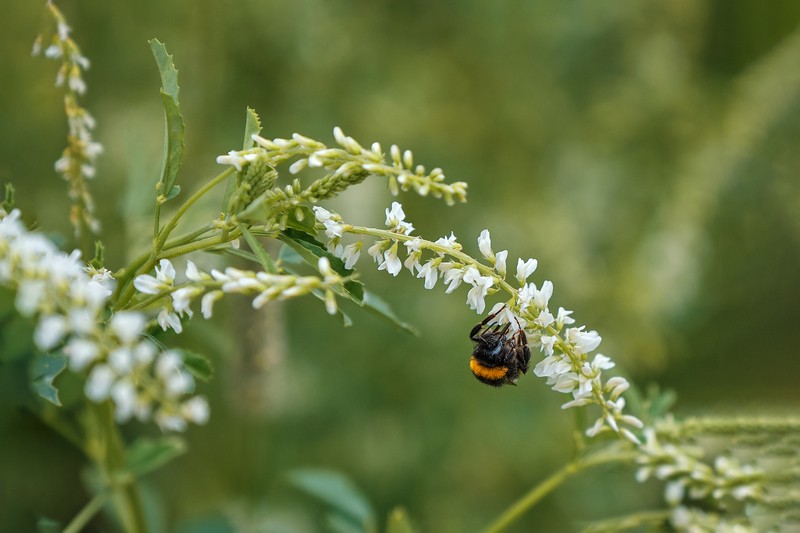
<point>201,244</point>
<point>164,235</point>
<point>107,450</point>
<point>86,514</point>
<point>123,274</point>
<point>547,486</point>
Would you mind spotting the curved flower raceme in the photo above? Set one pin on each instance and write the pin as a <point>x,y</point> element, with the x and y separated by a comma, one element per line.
<point>69,302</point>
<point>570,365</point>
<point>350,163</point>
<point>77,162</point>
<point>211,287</point>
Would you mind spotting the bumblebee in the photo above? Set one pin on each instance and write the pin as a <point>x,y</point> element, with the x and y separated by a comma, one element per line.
<point>499,355</point>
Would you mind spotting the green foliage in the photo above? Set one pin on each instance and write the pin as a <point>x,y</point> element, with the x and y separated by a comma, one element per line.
<point>198,364</point>
<point>258,250</point>
<point>44,368</point>
<point>350,511</point>
<point>174,127</point>
<point>146,455</point>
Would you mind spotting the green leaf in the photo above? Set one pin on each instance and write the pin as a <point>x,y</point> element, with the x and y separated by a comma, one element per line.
<point>263,257</point>
<point>338,492</point>
<point>99,255</point>
<point>399,522</point>
<point>48,525</point>
<point>173,192</point>
<point>43,370</point>
<point>381,308</point>
<point>8,202</point>
<point>174,126</point>
<point>302,218</point>
<point>146,454</point>
<point>252,126</point>
<point>198,365</point>
<point>287,255</point>
<point>233,252</point>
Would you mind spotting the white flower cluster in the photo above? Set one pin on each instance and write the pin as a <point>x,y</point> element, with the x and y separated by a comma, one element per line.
<point>350,160</point>
<point>687,475</point>
<point>692,520</point>
<point>69,302</point>
<point>566,366</point>
<point>77,162</point>
<point>213,286</point>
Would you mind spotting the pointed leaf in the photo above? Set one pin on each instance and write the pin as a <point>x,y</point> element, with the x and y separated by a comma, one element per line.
<point>146,455</point>
<point>381,308</point>
<point>263,257</point>
<point>48,525</point>
<point>252,127</point>
<point>174,126</point>
<point>337,491</point>
<point>198,365</point>
<point>302,218</point>
<point>43,370</point>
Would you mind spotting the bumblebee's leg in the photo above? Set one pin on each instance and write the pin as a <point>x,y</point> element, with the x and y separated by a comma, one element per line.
<point>485,321</point>
<point>521,350</point>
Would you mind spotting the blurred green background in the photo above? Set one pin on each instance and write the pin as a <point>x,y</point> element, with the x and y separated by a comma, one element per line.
<point>645,152</point>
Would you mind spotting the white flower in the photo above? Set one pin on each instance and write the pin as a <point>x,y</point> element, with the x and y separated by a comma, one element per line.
<point>395,219</point>
<point>81,352</point>
<point>566,382</point>
<point>563,318</point>
<point>616,386</point>
<point>207,303</point>
<point>376,251</point>
<point>500,262</point>
<point>452,275</point>
<point>480,287</point>
<point>525,269</point>
<point>541,297</point>
<point>123,392</point>
<point>98,385</point>
<point>168,319</point>
<point>195,410</point>
<point>163,280</point>
<point>182,299</point>
<point>548,341</point>
<point>485,245</point>
<point>449,243</point>
<point>49,332</point>
<point>544,319</point>
<point>121,360</point>
<point>583,341</point>
<point>195,274</point>
<point>391,263</point>
<point>414,254</point>
<point>430,273</point>
<point>350,254</point>
<point>169,422</point>
<point>30,296</point>
<point>128,325</point>
<point>552,365</point>
<point>237,158</point>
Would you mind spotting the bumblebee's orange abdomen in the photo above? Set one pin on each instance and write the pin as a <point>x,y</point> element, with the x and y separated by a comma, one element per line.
<point>497,373</point>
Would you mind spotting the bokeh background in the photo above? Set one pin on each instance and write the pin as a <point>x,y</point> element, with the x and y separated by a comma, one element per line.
<point>645,152</point>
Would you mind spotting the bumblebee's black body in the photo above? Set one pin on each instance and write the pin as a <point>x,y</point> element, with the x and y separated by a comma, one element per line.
<point>499,356</point>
